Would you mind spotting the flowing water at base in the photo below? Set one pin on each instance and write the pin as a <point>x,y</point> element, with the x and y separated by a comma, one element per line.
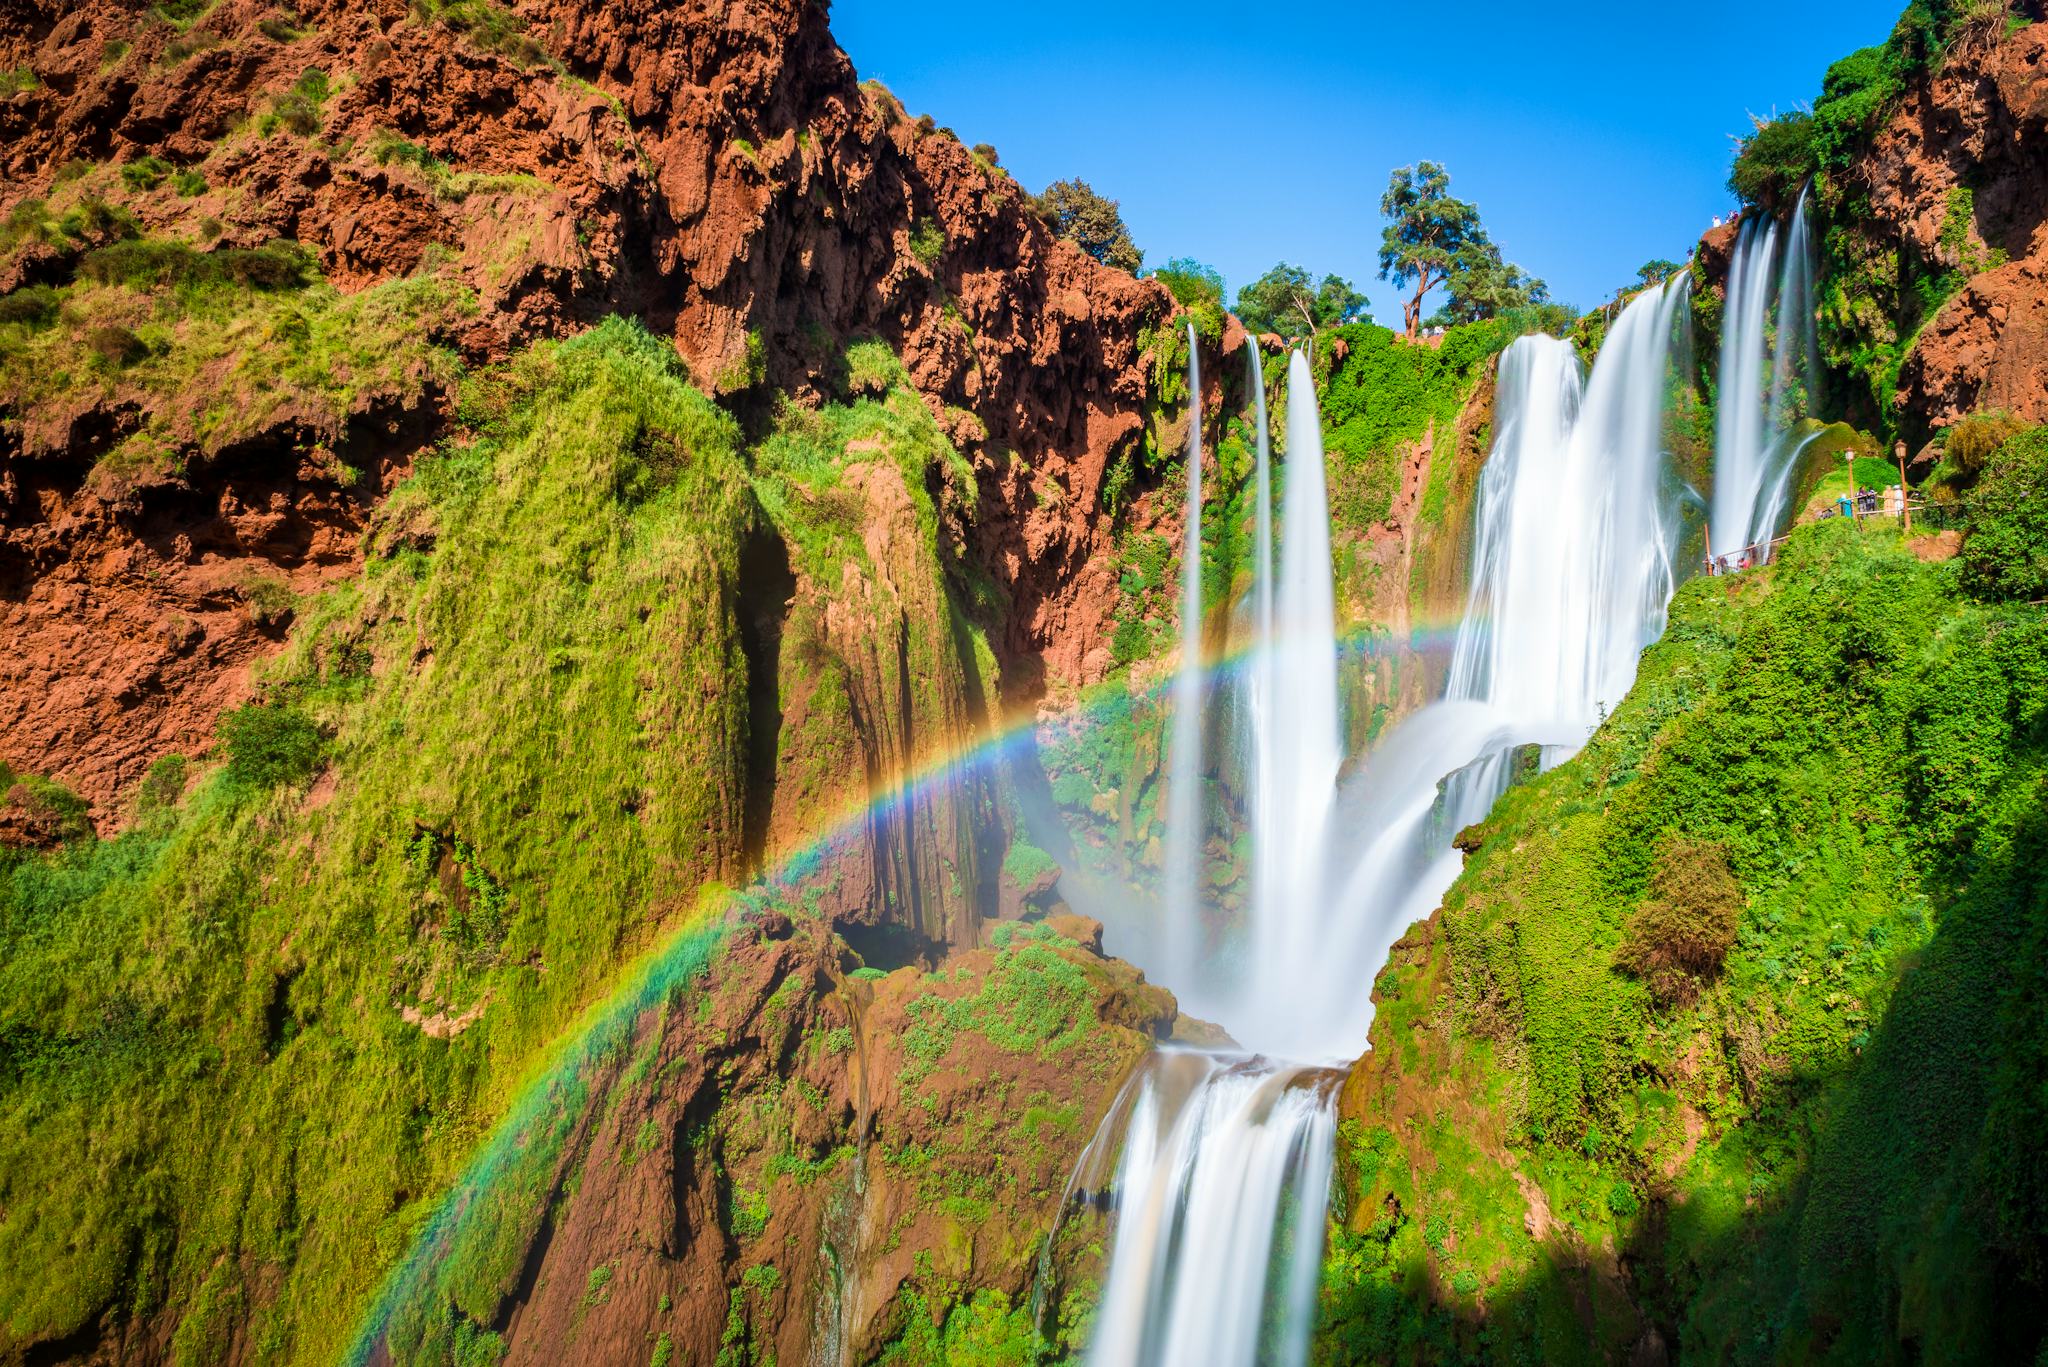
<point>1218,1202</point>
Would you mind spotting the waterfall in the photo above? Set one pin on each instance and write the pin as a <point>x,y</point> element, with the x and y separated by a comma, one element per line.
<point>1753,452</point>
<point>1792,367</point>
<point>1220,1190</point>
<point>1260,680</point>
<point>1575,536</point>
<point>1301,743</point>
<point>1184,824</point>
<point>1219,1204</point>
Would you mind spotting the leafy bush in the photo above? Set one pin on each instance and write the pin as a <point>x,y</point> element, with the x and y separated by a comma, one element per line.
<point>268,745</point>
<point>268,599</point>
<point>298,109</point>
<point>144,173</point>
<point>1075,212</point>
<point>31,306</point>
<point>1199,289</point>
<point>188,182</point>
<point>872,369</point>
<point>115,344</point>
<point>490,26</point>
<point>1774,162</point>
<point>1972,443</point>
<point>163,786</point>
<point>2005,545</point>
<point>928,242</point>
<point>16,80</point>
<point>1024,863</point>
<point>1681,935</point>
<point>47,804</point>
<point>94,220</point>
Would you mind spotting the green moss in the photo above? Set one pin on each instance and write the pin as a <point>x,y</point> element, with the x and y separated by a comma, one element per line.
<point>1805,1150</point>
<point>1024,863</point>
<point>567,567</point>
<point>222,343</point>
<point>928,242</point>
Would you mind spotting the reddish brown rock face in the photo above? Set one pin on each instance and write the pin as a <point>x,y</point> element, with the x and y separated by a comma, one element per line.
<point>713,169</point>
<point>1979,124</point>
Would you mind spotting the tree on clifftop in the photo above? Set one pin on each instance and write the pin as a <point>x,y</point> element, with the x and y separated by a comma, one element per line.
<point>1484,284</point>
<point>1426,235</point>
<point>1090,222</point>
<point>1285,300</point>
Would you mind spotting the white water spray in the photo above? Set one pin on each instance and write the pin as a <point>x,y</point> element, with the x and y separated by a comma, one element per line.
<point>1576,534</point>
<point>1205,1269</point>
<point>1753,452</point>
<point>1220,1193</point>
<point>1185,833</point>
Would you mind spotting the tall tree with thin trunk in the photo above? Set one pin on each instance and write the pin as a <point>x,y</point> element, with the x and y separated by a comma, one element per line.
<point>1427,232</point>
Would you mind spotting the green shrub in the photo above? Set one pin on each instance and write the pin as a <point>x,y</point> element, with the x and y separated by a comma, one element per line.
<point>1024,863</point>
<point>298,109</point>
<point>163,786</point>
<point>13,82</point>
<point>1973,441</point>
<point>188,182</point>
<point>46,802</point>
<point>2004,553</point>
<point>490,26</point>
<point>1774,162</point>
<point>1199,289</point>
<point>268,599</point>
<point>270,744</point>
<point>144,173</point>
<point>115,345</point>
<point>145,263</point>
<point>1680,936</point>
<point>928,242</point>
<point>94,220</point>
<point>31,306</point>
<point>872,369</point>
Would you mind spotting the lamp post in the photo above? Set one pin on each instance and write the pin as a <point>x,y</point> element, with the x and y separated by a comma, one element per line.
<point>1905,508</point>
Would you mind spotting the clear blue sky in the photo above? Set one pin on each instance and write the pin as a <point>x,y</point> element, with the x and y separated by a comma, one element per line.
<point>1593,137</point>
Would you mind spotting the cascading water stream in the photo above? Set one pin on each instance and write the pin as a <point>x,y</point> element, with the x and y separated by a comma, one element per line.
<point>1753,452</point>
<point>1576,534</point>
<point>1302,744</point>
<point>1219,1194</point>
<point>1181,907</point>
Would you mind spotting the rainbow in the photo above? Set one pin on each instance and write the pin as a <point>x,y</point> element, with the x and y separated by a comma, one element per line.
<point>559,1090</point>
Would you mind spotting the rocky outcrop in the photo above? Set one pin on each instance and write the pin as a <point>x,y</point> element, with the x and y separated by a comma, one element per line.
<point>1954,178</point>
<point>806,1157</point>
<point>717,171</point>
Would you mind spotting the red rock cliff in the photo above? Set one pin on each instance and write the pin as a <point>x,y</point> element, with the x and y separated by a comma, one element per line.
<point>713,168</point>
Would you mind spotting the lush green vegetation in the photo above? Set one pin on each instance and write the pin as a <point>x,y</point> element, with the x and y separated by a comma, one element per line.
<point>1383,397</point>
<point>1075,212</point>
<point>1732,1025</point>
<point>212,345</point>
<point>1288,301</point>
<point>259,1034</point>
